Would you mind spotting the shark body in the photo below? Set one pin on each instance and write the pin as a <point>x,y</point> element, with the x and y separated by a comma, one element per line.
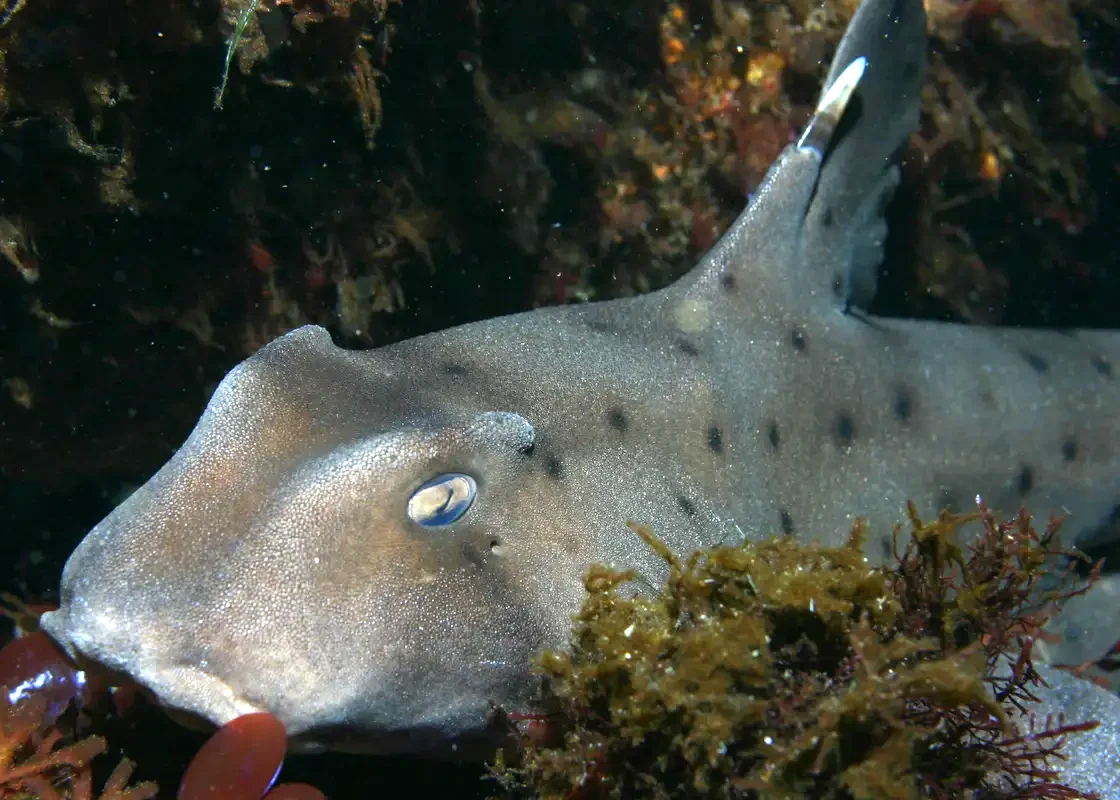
<point>375,545</point>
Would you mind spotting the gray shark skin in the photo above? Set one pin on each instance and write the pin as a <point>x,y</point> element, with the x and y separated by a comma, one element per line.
<point>375,545</point>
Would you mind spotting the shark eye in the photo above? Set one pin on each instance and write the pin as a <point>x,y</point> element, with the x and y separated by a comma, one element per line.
<point>442,500</point>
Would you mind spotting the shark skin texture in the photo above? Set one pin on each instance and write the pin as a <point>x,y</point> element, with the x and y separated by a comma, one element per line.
<point>373,546</point>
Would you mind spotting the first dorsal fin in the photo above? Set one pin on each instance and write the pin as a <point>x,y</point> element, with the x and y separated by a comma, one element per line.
<point>815,229</point>
<point>844,227</point>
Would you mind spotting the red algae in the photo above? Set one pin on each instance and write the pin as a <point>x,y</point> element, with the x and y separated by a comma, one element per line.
<point>239,762</point>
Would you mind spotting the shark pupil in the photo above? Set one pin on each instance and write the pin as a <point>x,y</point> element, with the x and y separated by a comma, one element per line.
<point>442,500</point>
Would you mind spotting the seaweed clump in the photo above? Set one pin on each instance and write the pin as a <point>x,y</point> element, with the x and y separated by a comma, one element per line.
<point>775,669</point>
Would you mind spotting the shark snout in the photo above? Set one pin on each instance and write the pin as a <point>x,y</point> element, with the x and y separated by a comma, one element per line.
<point>102,641</point>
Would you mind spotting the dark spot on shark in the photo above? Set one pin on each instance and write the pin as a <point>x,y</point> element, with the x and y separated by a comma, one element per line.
<point>774,435</point>
<point>1069,449</point>
<point>786,522</point>
<point>838,285</point>
<point>828,219</point>
<point>987,398</point>
<point>715,439</point>
<point>554,467</point>
<point>617,419</point>
<point>1035,361</point>
<point>1103,366</point>
<point>687,347</point>
<point>844,430</point>
<point>1024,481</point>
<point>452,368</point>
<point>687,506</point>
<point>886,546</point>
<point>727,281</point>
<point>903,404</point>
<point>798,340</point>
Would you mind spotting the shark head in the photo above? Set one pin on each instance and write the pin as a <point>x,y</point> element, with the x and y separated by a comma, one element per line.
<point>377,545</point>
<point>331,556</point>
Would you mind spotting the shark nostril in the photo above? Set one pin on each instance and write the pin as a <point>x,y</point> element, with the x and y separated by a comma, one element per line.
<point>442,500</point>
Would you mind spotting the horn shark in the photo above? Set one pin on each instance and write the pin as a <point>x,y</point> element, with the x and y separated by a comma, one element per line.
<point>375,545</point>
